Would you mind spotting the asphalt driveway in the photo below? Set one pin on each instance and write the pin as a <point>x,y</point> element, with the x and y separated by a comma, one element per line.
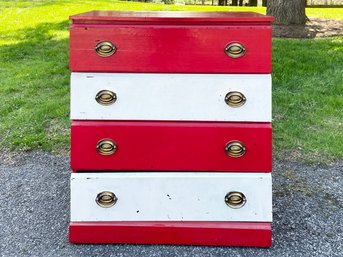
<point>34,213</point>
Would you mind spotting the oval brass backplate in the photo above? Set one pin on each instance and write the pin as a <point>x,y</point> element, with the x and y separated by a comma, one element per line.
<point>106,147</point>
<point>235,50</point>
<point>235,200</point>
<point>106,199</point>
<point>235,99</point>
<point>106,97</point>
<point>235,149</point>
<point>105,49</point>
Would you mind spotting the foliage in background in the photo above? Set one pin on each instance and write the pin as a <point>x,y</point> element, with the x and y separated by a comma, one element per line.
<point>34,80</point>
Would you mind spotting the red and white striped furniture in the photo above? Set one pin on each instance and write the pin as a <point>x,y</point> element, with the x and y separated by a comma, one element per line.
<point>171,139</point>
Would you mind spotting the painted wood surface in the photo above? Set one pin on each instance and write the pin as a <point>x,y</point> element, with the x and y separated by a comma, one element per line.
<point>182,207</point>
<point>177,233</point>
<point>171,146</point>
<point>197,97</point>
<point>186,196</point>
<point>171,49</point>
<point>170,17</point>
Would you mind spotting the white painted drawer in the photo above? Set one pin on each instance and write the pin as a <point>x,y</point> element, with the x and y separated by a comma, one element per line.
<point>198,97</point>
<point>171,196</point>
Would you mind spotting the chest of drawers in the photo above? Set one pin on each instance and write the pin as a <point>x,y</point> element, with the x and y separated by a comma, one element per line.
<point>171,139</point>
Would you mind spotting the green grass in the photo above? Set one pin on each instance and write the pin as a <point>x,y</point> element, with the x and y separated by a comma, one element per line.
<point>327,13</point>
<point>308,98</point>
<point>34,80</point>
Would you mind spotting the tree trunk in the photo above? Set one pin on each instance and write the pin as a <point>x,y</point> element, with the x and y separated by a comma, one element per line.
<point>203,2</point>
<point>221,2</point>
<point>252,2</point>
<point>240,2</point>
<point>234,2</point>
<point>287,11</point>
<point>264,2</point>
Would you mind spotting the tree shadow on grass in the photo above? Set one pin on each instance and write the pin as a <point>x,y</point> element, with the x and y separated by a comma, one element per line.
<point>36,42</point>
<point>35,87</point>
<point>313,28</point>
<point>30,3</point>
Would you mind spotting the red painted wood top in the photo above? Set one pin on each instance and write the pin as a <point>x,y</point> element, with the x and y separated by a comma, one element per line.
<point>170,17</point>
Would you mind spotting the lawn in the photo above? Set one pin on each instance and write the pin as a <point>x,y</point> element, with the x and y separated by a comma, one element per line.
<point>34,80</point>
<point>327,13</point>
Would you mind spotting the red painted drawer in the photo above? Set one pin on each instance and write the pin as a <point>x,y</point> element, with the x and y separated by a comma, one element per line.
<point>177,42</point>
<point>171,146</point>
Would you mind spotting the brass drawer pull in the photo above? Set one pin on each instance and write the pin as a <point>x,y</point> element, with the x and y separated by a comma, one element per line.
<point>106,199</point>
<point>235,99</point>
<point>235,149</point>
<point>235,200</point>
<point>235,50</point>
<point>105,49</point>
<point>106,147</point>
<point>106,97</point>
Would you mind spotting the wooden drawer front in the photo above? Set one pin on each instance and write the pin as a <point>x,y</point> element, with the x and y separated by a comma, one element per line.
<point>170,146</point>
<point>195,97</point>
<point>171,196</point>
<point>175,49</point>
